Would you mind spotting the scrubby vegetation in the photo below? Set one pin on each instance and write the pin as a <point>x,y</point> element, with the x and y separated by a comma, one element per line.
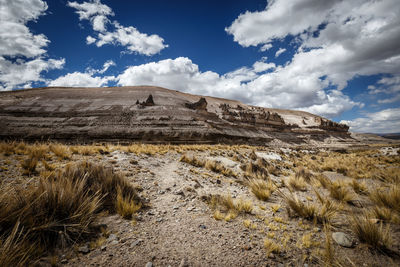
<point>53,195</point>
<point>38,216</point>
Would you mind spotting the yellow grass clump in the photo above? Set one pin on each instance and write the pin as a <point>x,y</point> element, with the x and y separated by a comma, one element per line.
<point>261,188</point>
<point>371,233</point>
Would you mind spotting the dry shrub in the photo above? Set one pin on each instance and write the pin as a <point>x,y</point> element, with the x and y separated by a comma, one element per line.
<point>323,213</point>
<point>296,183</point>
<point>340,192</point>
<point>60,209</point>
<point>126,206</point>
<point>389,175</point>
<point>61,151</point>
<point>271,246</point>
<point>15,249</point>
<point>29,165</point>
<point>383,213</point>
<point>103,180</point>
<point>359,188</point>
<point>303,173</point>
<point>253,155</point>
<point>371,233</point>
<point>261,188</point>
<point>255,170</point>
<point>324,181</point>
<point>389,198</point>
<point>225,207</point>
<point>218,168</point>
<point>8,148</point>
<point>192,161</point>
<point>47,166</point>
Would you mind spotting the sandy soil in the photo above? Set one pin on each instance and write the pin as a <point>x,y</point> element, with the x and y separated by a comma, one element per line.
<point>178,228</point>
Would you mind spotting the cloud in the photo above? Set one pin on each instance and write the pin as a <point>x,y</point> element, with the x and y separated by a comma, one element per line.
<point>339,41</point>
<point>280,51</point>
<point>129,37</point>
<point>85,79</point>
<point>22,53</point>
<point>279,19</point>
<point>253,85</point>
<point>265,47</point>
<point>80,79</point>
<point>384,121</point>
<point>388,88</point>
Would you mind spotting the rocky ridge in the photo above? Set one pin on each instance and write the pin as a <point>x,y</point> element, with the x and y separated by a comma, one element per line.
<point>153,114</point>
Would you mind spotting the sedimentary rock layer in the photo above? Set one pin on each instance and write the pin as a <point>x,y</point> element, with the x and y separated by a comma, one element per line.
<point>151,114</point>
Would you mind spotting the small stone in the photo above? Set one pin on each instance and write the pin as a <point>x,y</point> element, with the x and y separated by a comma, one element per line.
<point>190,209</point>
<point>103,248</point>
<point>114,242</point>
<point>149,264</point>
<point>184,263</point>
<point>159,220</point>
<point>175,207</point>
<point>343,239</point>
<point>218,181</point>
<point>64,261</point>
<point>112,237</point>
<point>202,226</point>
<point>84,249</point>
<point>136,243</point>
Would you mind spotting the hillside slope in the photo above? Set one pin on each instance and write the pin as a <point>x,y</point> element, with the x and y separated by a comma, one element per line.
<point>153,114</point>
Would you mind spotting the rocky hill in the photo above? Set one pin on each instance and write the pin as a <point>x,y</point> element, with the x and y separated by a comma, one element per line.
<point>153,114</point>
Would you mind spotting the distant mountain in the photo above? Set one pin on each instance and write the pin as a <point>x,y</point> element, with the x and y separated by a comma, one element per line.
<point>154,114</point>
<point>395,136</point>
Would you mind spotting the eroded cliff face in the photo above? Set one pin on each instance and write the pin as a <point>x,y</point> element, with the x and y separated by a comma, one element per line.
<point>151,114</point>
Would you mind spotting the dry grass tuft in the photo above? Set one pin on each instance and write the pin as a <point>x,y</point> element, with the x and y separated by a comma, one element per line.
<point>227,209</point>
<point>255,170</point>
<point>371,233</point>
<point>389,198</point>
<point>15,250</point>
<point>383,213</point>
<point>126,206</point>
<point>29,165</point>
<point>323,213</point>
<point>271,246</point>
<point>61,151</point>
<point>340,192</point>
<point>359,188</point>
<point>60,209</point>
<point>296,183</point>
<point>323,180</point>
<point>305,174</point>
<point>245,206</point>
<point>218,168</point>
<point>261,188</point>
<point>209,164</point>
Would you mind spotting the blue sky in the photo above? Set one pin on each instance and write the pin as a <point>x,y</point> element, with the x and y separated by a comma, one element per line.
<point>338,59</point>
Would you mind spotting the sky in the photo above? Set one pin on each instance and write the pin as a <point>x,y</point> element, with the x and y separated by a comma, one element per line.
<point>338,59</point>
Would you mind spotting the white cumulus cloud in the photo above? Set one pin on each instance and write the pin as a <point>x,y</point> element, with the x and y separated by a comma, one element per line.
<point>280,51</point>
<point>22,53</point>
<point>89,78</point>
<point>338,40</point>
<point>129,37</point>
<point>251,85</point>
<point>384,121</point>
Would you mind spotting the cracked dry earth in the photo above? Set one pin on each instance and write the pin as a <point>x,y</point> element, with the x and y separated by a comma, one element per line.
<point>178,228</point>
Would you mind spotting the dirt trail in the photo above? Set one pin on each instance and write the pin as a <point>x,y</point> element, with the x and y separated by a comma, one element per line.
<point>178,228</point>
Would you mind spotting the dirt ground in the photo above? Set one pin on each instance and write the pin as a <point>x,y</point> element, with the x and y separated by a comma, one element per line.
<point>178,227</point>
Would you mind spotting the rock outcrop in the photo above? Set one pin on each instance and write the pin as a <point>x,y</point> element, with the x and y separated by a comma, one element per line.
<point>109,114</point>
<point>199,105</point>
